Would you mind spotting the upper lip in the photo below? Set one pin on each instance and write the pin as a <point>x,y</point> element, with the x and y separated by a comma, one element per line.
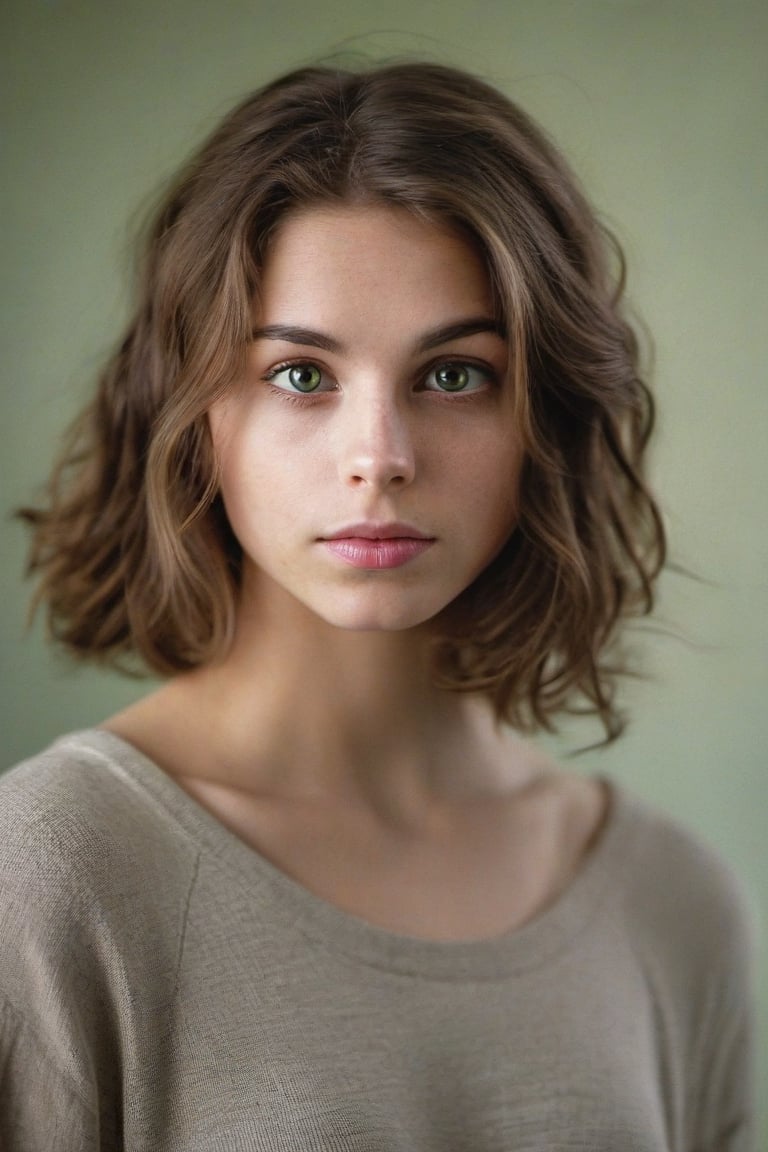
<point>370,530</point>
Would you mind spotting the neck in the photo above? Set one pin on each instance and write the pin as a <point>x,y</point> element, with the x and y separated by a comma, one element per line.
<point>302,707</point>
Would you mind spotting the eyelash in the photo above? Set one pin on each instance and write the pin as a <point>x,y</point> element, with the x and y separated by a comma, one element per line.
<point>299,397</point>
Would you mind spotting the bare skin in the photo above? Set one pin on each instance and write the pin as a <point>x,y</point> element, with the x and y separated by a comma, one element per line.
<point>320,738</point>
<point>401,804</point>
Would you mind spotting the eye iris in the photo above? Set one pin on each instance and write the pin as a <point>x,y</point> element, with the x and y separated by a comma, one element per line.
<point>452,377</point>
<point>305,377</point>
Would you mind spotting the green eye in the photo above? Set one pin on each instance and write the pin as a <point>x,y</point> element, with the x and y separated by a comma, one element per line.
<point>305,377</point>
<point>458,377</point>
<point>452,377</point>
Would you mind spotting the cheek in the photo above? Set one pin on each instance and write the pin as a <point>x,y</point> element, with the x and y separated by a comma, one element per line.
<point>502,496</point>
<point>491,469</point>
<point>237,463</point>
<point>265,490</point>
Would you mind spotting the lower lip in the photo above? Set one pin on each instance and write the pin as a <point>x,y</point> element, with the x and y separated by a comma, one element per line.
<point>360,552</point>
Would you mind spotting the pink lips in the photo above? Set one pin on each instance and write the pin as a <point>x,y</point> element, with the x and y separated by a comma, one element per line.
<point>377,546</point>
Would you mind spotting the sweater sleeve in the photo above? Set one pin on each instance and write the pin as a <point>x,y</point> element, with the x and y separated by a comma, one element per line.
<point>40,1109</point>
<point>94,887</point>
<point>59,1064</point>
<point>59,1054</point>
<point>726,1104</point>
<point>730,1085</point>
<point>693,925</point>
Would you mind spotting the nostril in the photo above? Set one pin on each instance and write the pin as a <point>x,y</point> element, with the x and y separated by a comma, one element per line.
<point>380,481</point>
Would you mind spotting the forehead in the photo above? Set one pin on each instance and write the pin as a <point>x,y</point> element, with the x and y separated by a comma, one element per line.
<point>381,262</point>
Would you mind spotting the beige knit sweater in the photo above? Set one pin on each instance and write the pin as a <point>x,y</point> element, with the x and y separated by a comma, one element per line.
<point>163,988</point>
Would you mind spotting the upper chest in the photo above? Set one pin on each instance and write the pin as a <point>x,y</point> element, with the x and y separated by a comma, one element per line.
<point>475,870</point>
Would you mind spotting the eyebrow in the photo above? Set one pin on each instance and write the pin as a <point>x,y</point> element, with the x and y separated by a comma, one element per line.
<point>431,339</point>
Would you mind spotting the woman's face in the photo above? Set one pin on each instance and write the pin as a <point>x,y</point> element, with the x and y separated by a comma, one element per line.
<point>369,462</point>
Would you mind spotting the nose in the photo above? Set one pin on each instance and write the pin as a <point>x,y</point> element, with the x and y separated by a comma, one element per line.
<point>377,448</point>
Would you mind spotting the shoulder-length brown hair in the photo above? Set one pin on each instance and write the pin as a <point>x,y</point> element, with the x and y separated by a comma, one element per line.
<point>133,550</point>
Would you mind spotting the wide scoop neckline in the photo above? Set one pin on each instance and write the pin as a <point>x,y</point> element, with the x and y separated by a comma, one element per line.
<point>539,940</point>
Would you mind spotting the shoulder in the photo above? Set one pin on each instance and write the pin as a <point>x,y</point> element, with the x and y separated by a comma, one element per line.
<point>693,928</point>
<point>95,880</point>
<point>79,807</point>
<point>675,879</point>
<point>91,867</point>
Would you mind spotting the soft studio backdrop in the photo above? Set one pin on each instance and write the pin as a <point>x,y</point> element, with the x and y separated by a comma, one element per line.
<point>662,108</point>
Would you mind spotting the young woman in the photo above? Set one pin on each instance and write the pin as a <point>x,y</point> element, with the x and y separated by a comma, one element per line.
<point>364,482</point>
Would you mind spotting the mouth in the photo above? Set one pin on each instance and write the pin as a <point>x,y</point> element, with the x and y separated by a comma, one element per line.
<point>391,530</point>
<point>377,546</point>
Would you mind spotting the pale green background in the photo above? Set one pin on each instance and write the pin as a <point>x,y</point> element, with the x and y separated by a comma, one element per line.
<point>662,108</point>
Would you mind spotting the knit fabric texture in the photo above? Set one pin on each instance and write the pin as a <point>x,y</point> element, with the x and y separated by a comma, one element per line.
<point>164,988</point>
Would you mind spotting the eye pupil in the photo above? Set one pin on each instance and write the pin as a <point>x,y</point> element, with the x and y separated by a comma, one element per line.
<point>452,377</point>
<point>305,377</point>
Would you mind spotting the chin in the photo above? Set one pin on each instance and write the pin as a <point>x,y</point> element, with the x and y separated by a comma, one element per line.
<point>380,617</point>
<point>374,621</point>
